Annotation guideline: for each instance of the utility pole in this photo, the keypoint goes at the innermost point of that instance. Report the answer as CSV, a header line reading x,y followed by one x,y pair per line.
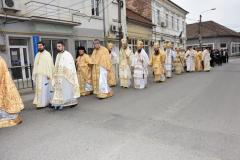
x,y
200,25
120,36
104,22
199,31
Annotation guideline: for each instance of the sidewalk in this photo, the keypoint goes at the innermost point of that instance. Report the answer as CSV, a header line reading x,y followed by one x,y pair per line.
x,y
27,94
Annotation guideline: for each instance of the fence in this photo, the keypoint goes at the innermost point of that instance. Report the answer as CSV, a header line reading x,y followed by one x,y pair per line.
x,y
22,76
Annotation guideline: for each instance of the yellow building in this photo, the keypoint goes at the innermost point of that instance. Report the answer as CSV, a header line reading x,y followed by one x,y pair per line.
x,y
139,28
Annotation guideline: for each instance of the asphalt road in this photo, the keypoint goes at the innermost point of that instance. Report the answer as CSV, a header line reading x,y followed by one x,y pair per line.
x,y
194,116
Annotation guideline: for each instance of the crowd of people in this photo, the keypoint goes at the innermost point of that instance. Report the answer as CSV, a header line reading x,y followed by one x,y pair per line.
x,y
219,57
61,84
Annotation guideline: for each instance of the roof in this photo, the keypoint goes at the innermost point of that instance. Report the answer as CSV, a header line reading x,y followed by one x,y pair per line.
x,y
138,18
178,6
209,29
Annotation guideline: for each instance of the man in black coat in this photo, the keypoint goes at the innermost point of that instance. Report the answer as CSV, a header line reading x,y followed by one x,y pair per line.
x,y
212,58
227,56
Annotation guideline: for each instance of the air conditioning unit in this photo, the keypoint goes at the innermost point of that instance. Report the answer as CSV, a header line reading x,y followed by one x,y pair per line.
x,y
163,24
13,5
114,28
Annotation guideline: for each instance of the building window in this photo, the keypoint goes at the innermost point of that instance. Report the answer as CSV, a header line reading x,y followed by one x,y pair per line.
x,y
90,47
158,17
167,20
88,44
178,24
172,22
133,45
183,26
18,42
223,45
95,7
235,48
51,46
81,43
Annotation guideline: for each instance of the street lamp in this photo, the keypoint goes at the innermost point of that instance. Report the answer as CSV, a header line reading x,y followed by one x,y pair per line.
x,y
199,26
213,9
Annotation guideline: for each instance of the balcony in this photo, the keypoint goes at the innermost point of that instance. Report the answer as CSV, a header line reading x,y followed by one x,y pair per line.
x,y
40,11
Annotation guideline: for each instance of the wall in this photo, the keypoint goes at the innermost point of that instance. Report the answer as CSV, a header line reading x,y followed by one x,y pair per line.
x,y
91,26
76,11
142,7
137,31
170,32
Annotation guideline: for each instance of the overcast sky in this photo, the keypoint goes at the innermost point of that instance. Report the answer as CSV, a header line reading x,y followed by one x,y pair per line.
x,y
227,12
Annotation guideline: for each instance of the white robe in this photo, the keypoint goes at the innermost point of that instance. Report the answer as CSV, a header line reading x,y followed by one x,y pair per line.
x,y
170,56
206,60
65,81
115,61
103,82
140,62
124,67
42,76
190,60
43,91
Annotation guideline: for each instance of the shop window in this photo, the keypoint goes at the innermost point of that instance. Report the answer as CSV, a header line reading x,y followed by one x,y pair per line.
x,y
18,42
51,46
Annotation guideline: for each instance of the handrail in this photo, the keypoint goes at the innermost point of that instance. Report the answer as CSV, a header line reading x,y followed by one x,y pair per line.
x,y
52,5
21,82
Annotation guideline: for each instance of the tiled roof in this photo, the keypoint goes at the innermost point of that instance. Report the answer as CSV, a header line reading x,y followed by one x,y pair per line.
x,y
209,29
137,18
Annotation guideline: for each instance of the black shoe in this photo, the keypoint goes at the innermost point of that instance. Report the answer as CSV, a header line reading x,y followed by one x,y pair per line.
x,y
56,107
50,106
72,106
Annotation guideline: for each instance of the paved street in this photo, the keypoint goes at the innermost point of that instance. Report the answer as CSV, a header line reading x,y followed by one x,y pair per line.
x,y
193,116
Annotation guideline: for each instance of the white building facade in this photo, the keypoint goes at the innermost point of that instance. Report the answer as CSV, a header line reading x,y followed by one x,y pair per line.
x,y
75,22
170,21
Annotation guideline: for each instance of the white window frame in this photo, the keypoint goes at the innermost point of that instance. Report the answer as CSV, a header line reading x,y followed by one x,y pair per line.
x,y
158,17
167,19
95,8
235,44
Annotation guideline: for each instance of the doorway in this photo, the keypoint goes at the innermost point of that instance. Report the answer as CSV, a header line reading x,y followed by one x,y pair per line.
x,y
19,59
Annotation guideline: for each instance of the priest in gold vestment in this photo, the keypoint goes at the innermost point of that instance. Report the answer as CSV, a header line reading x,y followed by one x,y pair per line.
x,y
156,62
100,70
112,76
179,62
198,60
42,76
83,64
125,56
10,100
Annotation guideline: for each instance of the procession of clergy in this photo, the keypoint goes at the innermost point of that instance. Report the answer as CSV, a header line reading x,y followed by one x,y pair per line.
x,y
61,85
